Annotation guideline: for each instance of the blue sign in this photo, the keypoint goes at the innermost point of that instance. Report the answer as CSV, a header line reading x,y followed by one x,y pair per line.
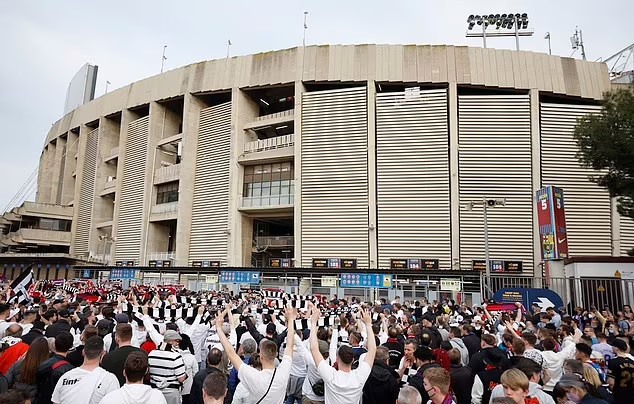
x,y
239,277
356,280
122,273
87,273
527,296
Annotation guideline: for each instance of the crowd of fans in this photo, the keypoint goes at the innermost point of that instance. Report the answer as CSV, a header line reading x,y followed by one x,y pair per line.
x,y
171,345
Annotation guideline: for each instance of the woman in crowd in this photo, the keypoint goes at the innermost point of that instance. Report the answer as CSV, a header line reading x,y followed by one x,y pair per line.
x,y
592,377
577,390
22,374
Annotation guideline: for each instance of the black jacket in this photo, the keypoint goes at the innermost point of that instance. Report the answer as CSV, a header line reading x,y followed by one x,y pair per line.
x,y
54,329
461,383
477,364
382,386
472,342
417,380
48,373
396,351
196,395
489,379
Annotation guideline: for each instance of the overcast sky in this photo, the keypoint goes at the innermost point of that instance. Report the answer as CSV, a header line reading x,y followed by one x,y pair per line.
x,y
44,43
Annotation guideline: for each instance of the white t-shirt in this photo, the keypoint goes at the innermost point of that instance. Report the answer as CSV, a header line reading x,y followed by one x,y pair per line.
x,y
257,381
344,387
134,394
80,386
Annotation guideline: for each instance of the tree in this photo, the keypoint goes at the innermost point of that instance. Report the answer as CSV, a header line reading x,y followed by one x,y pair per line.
x,y
606,144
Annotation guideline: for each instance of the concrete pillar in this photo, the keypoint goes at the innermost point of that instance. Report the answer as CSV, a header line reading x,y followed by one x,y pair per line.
x,y
300,89
79,172
536,181
191,120
57,174
372,205
454,186
616,229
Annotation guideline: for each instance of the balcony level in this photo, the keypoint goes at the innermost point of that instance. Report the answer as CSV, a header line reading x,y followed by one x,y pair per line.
x,y
268,204
277,118
167,173
274,241
112,156
164,211
109,186
45,210
36,236
269,150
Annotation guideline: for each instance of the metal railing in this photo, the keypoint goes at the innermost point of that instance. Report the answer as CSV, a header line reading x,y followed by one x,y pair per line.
x,y
167,173
269,144
164,208
271,200
288,113
275,241
161,256
110,184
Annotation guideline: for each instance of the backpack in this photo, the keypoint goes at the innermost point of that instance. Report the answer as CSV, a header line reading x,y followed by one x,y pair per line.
x,y
319,388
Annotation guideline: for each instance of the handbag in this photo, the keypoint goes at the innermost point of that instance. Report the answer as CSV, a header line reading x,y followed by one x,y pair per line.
x,y
267,390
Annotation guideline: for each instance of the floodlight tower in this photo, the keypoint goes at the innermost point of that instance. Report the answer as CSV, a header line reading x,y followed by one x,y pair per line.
x,y
505,25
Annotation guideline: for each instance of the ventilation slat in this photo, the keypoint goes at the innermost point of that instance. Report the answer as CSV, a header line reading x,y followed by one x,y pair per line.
x,y
131,201
210,206
86,195
335,176
588,210
413,177
495,162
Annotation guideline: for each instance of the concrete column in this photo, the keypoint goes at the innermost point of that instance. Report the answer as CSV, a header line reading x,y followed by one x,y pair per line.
x,y
616,229
57,174
79,173
300,89
372,207
72,145
191,120
127,116
243,110
454,185
536,179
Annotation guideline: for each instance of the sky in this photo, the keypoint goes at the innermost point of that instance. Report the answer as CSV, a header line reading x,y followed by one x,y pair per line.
x,y
44,43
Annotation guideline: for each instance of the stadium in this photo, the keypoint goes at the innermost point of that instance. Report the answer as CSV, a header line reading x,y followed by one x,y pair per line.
x,y
334,156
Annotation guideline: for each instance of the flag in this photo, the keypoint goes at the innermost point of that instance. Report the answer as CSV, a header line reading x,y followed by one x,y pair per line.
x,y
21,285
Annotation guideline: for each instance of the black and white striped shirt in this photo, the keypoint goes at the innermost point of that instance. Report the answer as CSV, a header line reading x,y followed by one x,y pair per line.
x,y
165,368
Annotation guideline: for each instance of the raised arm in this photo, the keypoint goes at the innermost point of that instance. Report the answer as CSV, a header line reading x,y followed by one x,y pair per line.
x,y
371,342
314,345
518,316
291,315
235,359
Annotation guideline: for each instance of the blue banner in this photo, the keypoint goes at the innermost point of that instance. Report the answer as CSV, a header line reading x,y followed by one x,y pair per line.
x,y
356,280
527,296
122,273
240,277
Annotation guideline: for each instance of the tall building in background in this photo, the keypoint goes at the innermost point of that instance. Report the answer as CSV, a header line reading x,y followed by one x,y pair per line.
x,y
81,88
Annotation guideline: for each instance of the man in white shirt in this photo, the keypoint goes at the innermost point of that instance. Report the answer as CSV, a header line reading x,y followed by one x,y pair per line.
x,y
134,391
89,383
266,386
343,386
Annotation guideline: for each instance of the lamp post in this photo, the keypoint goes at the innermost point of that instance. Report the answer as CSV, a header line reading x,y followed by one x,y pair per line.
x,y
305,28
163,59
548,37
105,240
486,204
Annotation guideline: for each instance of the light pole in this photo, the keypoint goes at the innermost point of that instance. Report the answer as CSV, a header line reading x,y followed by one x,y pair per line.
x,y
305,28
163,59
486,204
577,42
548,37
105,239
512,25
228,46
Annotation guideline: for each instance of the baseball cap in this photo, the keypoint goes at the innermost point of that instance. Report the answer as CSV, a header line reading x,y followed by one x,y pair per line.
x,y
620,344
64,313
171,335
323,347
122,318
103,326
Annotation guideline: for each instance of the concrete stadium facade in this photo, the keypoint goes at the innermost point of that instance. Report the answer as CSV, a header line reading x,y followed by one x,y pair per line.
x,y
357,152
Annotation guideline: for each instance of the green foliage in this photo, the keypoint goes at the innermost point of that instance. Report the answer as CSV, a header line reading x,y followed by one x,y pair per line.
x,y
606,143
